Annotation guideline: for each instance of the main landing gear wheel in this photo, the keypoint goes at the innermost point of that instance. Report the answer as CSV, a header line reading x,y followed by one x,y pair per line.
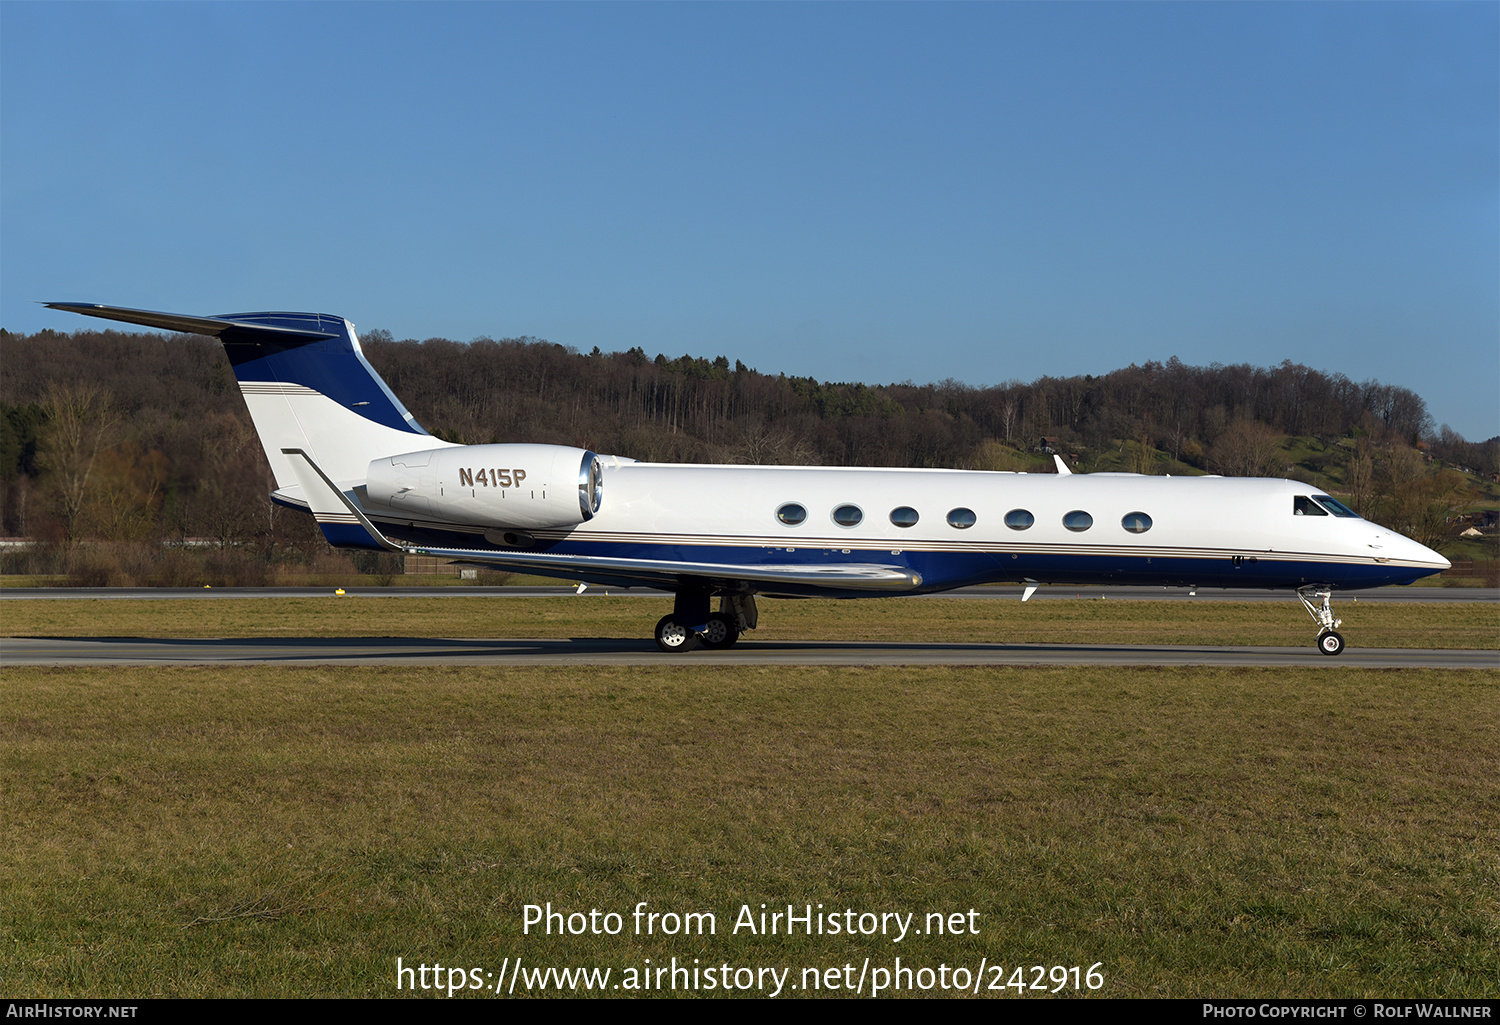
x,y
1330,643
720,632
672,637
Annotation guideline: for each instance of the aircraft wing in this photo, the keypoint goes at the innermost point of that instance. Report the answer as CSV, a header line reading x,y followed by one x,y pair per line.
x,y
329,504
669,574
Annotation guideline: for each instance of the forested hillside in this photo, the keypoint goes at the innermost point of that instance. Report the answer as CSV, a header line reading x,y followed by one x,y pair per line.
x,y
143,437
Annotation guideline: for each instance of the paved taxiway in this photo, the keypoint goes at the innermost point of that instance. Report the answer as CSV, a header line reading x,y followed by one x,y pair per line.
x,y
1011,593
115,651
409,651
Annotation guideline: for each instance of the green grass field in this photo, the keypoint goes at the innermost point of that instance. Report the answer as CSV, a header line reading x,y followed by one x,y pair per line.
x,y
293,831
1066,621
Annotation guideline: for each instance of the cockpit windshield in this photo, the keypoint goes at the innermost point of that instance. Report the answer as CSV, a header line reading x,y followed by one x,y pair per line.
x,y
1320,505
1334,506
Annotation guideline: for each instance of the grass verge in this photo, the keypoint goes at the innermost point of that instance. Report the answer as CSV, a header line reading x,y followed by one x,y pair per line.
x,y
1057,621
274,831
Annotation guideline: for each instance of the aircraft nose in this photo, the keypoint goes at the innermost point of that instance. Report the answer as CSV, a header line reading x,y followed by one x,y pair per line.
x,y
1387,544
1415,551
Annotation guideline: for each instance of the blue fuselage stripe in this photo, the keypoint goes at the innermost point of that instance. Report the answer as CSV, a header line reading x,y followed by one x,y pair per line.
x,y
944,570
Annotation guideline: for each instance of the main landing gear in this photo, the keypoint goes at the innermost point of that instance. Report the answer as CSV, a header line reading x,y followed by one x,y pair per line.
x,y
691,623
1330,642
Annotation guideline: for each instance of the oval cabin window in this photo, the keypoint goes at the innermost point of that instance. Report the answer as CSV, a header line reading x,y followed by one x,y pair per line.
x,y
961,518
848,515
791,514
1019,519
1078,520
905,516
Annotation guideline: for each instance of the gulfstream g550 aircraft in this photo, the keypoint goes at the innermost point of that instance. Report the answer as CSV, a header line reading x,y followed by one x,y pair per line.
x,y
344,448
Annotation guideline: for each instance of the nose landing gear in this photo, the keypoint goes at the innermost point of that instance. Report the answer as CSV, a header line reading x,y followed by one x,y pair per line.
x,y
1329,642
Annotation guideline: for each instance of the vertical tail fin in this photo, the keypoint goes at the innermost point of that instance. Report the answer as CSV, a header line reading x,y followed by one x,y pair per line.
x,y
307,384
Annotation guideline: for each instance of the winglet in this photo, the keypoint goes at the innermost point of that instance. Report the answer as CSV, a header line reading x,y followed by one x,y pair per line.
x,y
331,507
1062,467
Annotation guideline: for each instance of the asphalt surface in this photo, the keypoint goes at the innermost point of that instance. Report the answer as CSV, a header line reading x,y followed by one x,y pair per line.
x,y
115,651
1010,593
386,651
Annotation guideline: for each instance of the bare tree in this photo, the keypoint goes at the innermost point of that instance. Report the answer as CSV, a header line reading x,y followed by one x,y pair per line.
x,y
1247,449
79,418
1360,478
125,499
231,504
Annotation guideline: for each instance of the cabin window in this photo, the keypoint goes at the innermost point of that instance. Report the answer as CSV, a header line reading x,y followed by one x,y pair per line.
x,y
848,515
791,514
1078,520
1019,519
905,516
1334,506
961,518
1304,506
1136,522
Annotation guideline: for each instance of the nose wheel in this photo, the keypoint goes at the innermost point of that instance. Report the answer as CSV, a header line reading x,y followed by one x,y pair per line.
x,y
1318,601
1330,643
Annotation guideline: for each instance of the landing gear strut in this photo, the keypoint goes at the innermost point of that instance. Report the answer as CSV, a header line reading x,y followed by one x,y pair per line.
x,y
679,632
1330,642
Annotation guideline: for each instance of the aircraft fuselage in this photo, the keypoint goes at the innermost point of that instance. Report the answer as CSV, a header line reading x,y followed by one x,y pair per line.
x,y
950,527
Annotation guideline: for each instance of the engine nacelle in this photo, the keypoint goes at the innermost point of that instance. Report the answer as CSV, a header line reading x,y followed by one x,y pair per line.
x,y
524,486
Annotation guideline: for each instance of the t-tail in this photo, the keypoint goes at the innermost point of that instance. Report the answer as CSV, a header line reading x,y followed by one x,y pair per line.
x,y
308,386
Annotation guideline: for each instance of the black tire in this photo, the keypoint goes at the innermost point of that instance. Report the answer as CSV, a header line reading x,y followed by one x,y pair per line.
x,y
674,638
1330,643
720,632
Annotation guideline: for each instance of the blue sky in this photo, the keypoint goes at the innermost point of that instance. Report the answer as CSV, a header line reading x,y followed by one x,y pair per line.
x,y
873,192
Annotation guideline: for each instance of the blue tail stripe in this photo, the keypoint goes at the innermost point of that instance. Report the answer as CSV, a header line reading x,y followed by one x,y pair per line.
x,y
332,366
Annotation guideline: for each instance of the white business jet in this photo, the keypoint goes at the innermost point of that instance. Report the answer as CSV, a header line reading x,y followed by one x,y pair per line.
x,y
345,449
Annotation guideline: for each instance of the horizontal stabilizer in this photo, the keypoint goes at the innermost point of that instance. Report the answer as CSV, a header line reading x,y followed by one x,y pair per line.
x,y
213,327
306,383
